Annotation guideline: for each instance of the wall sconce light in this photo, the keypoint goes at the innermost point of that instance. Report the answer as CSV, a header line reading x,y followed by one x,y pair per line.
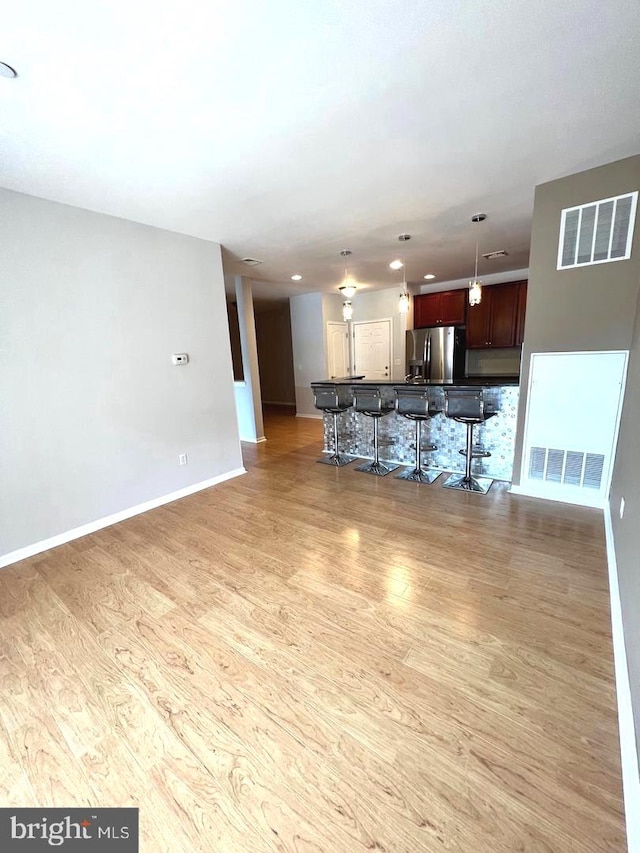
x,y
403,304
347,311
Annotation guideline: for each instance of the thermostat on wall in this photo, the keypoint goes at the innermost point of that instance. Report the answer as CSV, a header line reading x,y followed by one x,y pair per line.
x,y
180,358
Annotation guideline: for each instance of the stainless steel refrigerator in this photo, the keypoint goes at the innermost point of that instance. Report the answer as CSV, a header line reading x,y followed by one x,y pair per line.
x,y
436,354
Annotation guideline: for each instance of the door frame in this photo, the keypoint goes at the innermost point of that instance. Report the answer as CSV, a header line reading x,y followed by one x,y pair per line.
x,y
352,342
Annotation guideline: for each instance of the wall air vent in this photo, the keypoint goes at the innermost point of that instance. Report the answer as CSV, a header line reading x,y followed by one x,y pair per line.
x,y
569,467
598,232
251,262
491,256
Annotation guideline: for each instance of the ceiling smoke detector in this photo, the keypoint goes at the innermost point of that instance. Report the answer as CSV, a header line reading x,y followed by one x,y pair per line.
x,y
404,237
251,262
490,256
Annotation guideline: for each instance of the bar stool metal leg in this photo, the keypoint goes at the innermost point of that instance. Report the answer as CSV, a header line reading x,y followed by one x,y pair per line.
x,y
380,469
467,482
336,459
419,474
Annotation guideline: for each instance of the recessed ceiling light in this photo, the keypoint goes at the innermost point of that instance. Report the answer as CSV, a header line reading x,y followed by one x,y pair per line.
x,y
429,276
7,70
396,265
296,277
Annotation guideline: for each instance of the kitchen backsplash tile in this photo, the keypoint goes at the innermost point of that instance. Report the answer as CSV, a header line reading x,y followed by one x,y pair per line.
x,y
397,435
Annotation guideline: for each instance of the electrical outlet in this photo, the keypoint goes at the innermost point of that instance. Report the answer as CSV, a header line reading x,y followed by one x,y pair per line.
x,y
621,507
182,458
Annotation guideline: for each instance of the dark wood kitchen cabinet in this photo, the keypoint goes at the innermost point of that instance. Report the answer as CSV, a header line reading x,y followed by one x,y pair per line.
x,y
499,318
522,310
447,308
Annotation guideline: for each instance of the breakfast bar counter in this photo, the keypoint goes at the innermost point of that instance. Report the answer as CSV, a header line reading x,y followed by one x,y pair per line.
x,y
397,434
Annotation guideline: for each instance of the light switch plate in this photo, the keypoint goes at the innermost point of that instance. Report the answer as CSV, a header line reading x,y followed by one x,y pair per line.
x,y
180,358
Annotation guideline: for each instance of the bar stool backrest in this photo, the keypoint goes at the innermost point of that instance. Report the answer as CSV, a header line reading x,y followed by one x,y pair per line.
x,y
368,400
330,398
464,403
412,402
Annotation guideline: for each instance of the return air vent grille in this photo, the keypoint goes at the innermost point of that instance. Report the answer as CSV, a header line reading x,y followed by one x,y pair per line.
x,y
597,232
251,262
569,467
491,256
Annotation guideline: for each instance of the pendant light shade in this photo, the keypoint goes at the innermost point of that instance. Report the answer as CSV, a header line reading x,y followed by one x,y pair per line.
x,y
475,292
347,290
404,300
475,285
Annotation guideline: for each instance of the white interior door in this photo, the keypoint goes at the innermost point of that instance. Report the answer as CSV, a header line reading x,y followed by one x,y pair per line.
x,y
372,349
337,350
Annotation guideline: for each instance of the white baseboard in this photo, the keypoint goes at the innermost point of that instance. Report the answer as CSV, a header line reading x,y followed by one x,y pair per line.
x,y
628,746
314,417
588,500
108,520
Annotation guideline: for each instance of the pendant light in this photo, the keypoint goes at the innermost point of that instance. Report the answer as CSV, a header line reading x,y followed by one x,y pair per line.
x,y
400,264
347,289
403,302
475,285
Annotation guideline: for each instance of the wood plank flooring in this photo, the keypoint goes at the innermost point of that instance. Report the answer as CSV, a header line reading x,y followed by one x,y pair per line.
x,y
309,659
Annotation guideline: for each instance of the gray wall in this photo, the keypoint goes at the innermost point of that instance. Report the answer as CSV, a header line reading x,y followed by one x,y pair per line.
x,y
381,305
93,412
308,338
626,531
594,308
236,345
589,308
275,354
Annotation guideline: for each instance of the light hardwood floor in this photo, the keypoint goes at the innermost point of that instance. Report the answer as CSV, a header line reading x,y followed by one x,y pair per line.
x,y
309,659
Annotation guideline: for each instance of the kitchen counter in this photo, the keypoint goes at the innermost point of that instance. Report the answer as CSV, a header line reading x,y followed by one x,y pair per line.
x,y
469,381
397,434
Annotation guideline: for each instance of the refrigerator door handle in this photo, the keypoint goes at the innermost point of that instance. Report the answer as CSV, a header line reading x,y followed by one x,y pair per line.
x,y
427,364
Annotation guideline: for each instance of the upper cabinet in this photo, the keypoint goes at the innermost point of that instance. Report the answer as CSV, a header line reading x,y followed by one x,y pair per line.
x,y
522,310
446,308
498,321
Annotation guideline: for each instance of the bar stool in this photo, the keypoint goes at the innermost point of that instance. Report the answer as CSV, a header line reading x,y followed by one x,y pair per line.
x,y
467,406
413,404
333,399
367,399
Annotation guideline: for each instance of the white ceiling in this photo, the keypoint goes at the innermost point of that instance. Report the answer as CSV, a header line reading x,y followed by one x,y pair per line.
x,y
289,129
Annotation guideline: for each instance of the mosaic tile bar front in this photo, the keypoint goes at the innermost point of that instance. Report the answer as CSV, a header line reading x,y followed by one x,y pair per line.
x,y
397,435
